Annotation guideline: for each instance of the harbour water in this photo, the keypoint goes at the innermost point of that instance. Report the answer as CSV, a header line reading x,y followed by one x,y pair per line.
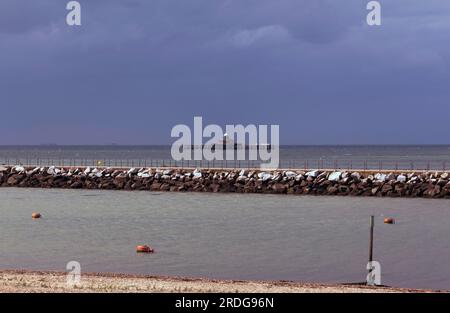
x,y
229,236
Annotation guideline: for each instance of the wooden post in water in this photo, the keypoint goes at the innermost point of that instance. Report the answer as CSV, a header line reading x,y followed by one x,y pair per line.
x,y
372,224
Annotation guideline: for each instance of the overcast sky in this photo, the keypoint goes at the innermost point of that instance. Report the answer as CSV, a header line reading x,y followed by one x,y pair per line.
x,y
135,68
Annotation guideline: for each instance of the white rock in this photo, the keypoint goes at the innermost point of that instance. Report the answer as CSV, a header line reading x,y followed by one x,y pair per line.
x,y
299,177
312,173
145,173
380,177
87,170
266,176
51,170
356,175
167,172
401,178
19,168
335,176
132,171
290,174
197,173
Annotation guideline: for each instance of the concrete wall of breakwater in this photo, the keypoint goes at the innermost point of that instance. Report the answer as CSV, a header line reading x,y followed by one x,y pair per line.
x,y
301,182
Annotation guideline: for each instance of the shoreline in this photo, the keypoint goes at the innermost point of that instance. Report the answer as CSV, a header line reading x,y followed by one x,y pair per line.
x,y
369,183
30,281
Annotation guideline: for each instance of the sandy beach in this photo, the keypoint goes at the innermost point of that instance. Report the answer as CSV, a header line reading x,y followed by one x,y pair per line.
x,y
44,282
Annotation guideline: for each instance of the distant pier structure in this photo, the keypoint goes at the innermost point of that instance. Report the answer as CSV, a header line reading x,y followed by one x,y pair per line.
x,y
229,144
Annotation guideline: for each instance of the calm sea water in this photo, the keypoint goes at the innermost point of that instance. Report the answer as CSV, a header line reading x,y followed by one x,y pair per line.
x,y
267,237
387,157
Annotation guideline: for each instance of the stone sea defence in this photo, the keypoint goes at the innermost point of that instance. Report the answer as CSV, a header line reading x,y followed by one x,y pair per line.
x,y
297,182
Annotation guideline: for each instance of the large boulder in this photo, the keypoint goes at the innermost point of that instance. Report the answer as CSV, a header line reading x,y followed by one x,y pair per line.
x,y
14,179
334,176
279,188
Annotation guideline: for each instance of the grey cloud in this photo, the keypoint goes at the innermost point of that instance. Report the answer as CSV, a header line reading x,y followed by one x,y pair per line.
x,y
135,68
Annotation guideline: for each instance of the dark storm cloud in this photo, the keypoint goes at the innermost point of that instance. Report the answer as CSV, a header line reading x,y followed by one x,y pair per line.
x,y
135,68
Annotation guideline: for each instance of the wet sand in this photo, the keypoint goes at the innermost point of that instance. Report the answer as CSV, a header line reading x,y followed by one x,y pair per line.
x,y
13,281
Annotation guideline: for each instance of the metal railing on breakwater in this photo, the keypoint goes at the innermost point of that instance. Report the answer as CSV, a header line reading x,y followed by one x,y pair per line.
x,y
382,165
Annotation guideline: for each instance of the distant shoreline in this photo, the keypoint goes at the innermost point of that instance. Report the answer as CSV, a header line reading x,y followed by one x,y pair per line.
x,y
28,281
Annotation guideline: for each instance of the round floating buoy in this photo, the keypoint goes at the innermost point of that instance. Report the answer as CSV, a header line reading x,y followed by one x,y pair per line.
x,y
36,215
144,249
389,220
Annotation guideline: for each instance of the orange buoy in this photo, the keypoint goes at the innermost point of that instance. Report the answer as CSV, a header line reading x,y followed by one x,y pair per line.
x,y
389,220
36,215
144,249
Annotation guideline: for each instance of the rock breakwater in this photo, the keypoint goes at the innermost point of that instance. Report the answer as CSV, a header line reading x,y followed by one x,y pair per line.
x,y
314,182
